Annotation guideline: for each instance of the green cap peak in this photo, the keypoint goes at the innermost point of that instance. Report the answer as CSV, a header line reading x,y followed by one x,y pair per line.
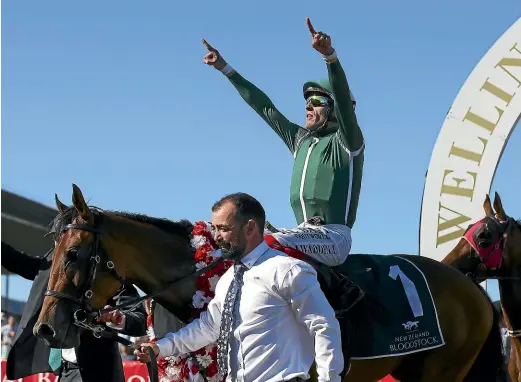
x,y
320,85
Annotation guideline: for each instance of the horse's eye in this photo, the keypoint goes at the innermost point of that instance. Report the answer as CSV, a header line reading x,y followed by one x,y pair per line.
x,y
484,235
71,256
484,238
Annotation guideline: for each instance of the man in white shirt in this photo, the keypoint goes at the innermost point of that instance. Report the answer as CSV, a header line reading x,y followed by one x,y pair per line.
x,y
269,316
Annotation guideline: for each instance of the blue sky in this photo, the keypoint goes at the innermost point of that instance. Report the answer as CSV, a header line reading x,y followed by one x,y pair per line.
x,y
114,97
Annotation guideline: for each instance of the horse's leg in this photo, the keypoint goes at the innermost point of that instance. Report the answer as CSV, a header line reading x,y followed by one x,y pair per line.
x,y
465,316
514,363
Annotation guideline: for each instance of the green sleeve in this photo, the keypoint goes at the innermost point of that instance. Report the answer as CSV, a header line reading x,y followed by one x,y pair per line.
x,y
260,102
349,132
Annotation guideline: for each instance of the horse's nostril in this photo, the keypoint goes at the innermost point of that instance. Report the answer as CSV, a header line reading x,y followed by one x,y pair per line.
x,y
46,332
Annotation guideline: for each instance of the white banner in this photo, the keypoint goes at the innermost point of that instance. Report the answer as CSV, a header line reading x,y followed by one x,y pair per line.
x,y
469,146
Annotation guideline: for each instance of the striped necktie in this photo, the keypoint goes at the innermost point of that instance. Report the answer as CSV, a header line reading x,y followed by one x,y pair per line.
x,y
227,318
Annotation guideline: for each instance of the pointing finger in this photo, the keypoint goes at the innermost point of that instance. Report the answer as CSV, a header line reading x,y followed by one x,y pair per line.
x,y
207,46
310,26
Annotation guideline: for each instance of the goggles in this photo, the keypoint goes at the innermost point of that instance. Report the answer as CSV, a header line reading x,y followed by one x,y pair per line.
x,y
318,100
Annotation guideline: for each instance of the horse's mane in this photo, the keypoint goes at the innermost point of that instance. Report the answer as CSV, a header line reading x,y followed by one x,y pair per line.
x,y
180,228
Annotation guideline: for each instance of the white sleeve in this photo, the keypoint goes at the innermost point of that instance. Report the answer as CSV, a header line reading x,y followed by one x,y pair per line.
x,y
301,288
197,334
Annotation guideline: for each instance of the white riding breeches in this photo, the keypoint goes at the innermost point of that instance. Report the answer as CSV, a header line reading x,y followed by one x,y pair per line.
x,y
330,244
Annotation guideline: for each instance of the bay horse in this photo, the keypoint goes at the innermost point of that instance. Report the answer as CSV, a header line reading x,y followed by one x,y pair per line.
x,y
101,249
491,248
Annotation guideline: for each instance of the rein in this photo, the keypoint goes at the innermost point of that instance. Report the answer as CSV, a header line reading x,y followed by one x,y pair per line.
x,y
514,333
99,256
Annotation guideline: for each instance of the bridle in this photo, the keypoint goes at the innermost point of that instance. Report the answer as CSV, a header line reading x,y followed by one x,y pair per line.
x,y
491,257
98,258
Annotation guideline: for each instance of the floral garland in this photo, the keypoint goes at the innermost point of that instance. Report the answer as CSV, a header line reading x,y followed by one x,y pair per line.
x,y
201,364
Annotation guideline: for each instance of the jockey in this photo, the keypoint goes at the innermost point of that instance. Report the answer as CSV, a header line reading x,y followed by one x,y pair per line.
x,y
328,152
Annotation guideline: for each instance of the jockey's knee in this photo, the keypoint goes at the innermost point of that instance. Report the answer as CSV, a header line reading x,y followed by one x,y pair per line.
x,y
335,260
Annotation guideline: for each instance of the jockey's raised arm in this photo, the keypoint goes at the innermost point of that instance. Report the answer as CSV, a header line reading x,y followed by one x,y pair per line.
x,y
348,130
260,102
256,98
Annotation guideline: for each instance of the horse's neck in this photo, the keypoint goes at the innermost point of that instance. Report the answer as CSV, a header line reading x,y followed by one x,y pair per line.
x,y
152,259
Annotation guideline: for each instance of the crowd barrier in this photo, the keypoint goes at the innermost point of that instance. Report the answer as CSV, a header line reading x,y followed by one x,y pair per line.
x,y
134,372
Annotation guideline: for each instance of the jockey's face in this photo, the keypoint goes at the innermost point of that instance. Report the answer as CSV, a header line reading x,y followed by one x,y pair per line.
x,y
315,112
229,232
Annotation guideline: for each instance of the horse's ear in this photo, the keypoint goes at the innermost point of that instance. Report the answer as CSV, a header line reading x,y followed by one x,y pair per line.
x,y
59,205
79,202
487,206
498,206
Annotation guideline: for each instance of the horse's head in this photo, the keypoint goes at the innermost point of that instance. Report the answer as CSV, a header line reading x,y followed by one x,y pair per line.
x,y
82,278
97,252
492,244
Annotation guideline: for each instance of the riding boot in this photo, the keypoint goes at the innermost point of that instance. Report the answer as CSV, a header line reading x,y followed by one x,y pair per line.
x,y
346,348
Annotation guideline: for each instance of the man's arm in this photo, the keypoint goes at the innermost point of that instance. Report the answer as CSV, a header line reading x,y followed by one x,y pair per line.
x,y
20,263
264,107
349,131
301,289
198,333
195,335
256,98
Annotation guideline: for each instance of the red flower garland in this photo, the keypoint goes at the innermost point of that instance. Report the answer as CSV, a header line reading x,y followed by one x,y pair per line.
x,y
191,367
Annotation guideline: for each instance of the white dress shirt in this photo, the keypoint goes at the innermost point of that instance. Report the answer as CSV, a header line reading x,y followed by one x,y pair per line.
x,y
282,322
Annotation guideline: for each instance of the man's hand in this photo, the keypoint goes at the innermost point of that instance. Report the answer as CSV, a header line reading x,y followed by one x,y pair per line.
x,y
114,316
320,41
213,57
142,353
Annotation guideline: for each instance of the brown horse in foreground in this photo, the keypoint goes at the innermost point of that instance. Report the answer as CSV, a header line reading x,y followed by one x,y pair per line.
x,y
491,248
102,248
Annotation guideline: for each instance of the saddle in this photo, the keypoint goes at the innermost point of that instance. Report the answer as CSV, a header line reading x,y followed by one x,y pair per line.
x,y
383,303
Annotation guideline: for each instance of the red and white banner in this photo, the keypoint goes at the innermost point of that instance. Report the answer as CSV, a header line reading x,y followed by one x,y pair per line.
x,y
134,372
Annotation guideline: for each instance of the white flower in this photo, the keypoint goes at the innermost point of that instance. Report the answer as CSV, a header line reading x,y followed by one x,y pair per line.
x,y
213,282
197,241
173,359
200,265
204,360
216,378
199,299
209,227
174,372
150,333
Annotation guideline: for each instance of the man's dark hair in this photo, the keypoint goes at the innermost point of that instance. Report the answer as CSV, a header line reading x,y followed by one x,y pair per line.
x,y
247,208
